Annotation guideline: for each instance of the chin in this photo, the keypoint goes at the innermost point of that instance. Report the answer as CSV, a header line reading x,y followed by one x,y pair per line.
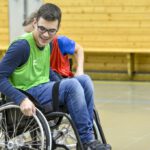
x,y
43,44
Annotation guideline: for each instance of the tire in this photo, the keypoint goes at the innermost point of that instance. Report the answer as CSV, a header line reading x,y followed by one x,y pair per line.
x,y
47,131
18,131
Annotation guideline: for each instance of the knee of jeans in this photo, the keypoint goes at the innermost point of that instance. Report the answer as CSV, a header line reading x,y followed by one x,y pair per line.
x,y
87,81
86,77
70,84
74,84
75,89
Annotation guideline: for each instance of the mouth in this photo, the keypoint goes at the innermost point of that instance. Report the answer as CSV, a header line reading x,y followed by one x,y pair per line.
x,y
44,40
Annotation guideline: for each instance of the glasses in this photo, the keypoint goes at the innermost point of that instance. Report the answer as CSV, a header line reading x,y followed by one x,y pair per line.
x,y
43,30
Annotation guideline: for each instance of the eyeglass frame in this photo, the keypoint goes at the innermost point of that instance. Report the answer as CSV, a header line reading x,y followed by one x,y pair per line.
x,y
49,31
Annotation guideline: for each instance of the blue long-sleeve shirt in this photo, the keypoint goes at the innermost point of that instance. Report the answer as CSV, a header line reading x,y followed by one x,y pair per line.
x,y
17,55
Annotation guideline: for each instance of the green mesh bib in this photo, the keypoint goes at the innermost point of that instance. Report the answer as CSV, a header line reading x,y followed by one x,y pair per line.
x,y
36,70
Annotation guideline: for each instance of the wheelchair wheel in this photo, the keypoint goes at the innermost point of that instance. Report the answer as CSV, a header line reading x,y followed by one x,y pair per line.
x,y
96,131
18,131
64,135
47,132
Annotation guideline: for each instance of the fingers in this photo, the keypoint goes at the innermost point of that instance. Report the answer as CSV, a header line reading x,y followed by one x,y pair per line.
x,y
28,111
34,110
27,107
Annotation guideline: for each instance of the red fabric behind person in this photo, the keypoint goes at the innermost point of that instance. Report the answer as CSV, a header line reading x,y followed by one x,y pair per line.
x,y
58,61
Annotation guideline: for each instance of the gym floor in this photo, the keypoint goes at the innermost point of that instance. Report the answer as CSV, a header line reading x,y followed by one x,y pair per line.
x,y
124,110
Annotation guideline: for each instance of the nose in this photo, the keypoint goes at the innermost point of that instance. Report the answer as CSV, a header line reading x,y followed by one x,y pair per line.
x,y
46,34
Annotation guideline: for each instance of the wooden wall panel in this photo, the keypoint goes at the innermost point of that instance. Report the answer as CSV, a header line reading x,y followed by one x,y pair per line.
x,y
109,24
127,22
142,63
105,62
4,31
101,24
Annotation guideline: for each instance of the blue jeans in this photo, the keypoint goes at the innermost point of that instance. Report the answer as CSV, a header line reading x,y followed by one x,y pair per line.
x,y
54,76
77,94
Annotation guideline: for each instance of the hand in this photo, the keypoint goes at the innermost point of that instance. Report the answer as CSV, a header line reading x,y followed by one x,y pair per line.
x,y
27,107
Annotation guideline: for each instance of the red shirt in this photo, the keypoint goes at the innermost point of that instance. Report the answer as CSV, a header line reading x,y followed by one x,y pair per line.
x,y
59,62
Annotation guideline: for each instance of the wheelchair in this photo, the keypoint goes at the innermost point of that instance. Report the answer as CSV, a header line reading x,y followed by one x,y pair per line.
x,y
43,131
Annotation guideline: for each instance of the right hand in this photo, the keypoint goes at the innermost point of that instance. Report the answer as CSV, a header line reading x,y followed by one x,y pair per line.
x,y
27,107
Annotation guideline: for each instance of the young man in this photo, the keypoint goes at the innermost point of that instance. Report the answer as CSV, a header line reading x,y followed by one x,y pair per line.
x,y
26,66
61,47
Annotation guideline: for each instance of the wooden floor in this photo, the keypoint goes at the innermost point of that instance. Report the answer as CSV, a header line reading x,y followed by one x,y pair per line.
x,y
124,109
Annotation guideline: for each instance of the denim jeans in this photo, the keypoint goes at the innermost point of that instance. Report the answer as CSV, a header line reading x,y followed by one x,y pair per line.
x,y
77,94
54,76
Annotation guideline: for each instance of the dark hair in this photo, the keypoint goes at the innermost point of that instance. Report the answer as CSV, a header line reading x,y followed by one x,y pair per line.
x,y
29,19
49,12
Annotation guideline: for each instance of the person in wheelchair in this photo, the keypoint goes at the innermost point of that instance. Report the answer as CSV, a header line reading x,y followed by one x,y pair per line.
x,y
61,48
26,67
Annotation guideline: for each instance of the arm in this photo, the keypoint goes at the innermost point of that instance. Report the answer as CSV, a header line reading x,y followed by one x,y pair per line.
x,y
16,55
79,57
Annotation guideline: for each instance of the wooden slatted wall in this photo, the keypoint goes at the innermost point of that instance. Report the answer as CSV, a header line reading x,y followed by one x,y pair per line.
x,y
106,23
4,34
4,29
100,24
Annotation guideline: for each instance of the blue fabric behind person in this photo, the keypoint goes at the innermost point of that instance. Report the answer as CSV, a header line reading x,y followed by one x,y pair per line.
x,y
66,45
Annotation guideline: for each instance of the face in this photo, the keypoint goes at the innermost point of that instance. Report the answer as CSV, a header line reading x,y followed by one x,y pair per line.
x,y
44,31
